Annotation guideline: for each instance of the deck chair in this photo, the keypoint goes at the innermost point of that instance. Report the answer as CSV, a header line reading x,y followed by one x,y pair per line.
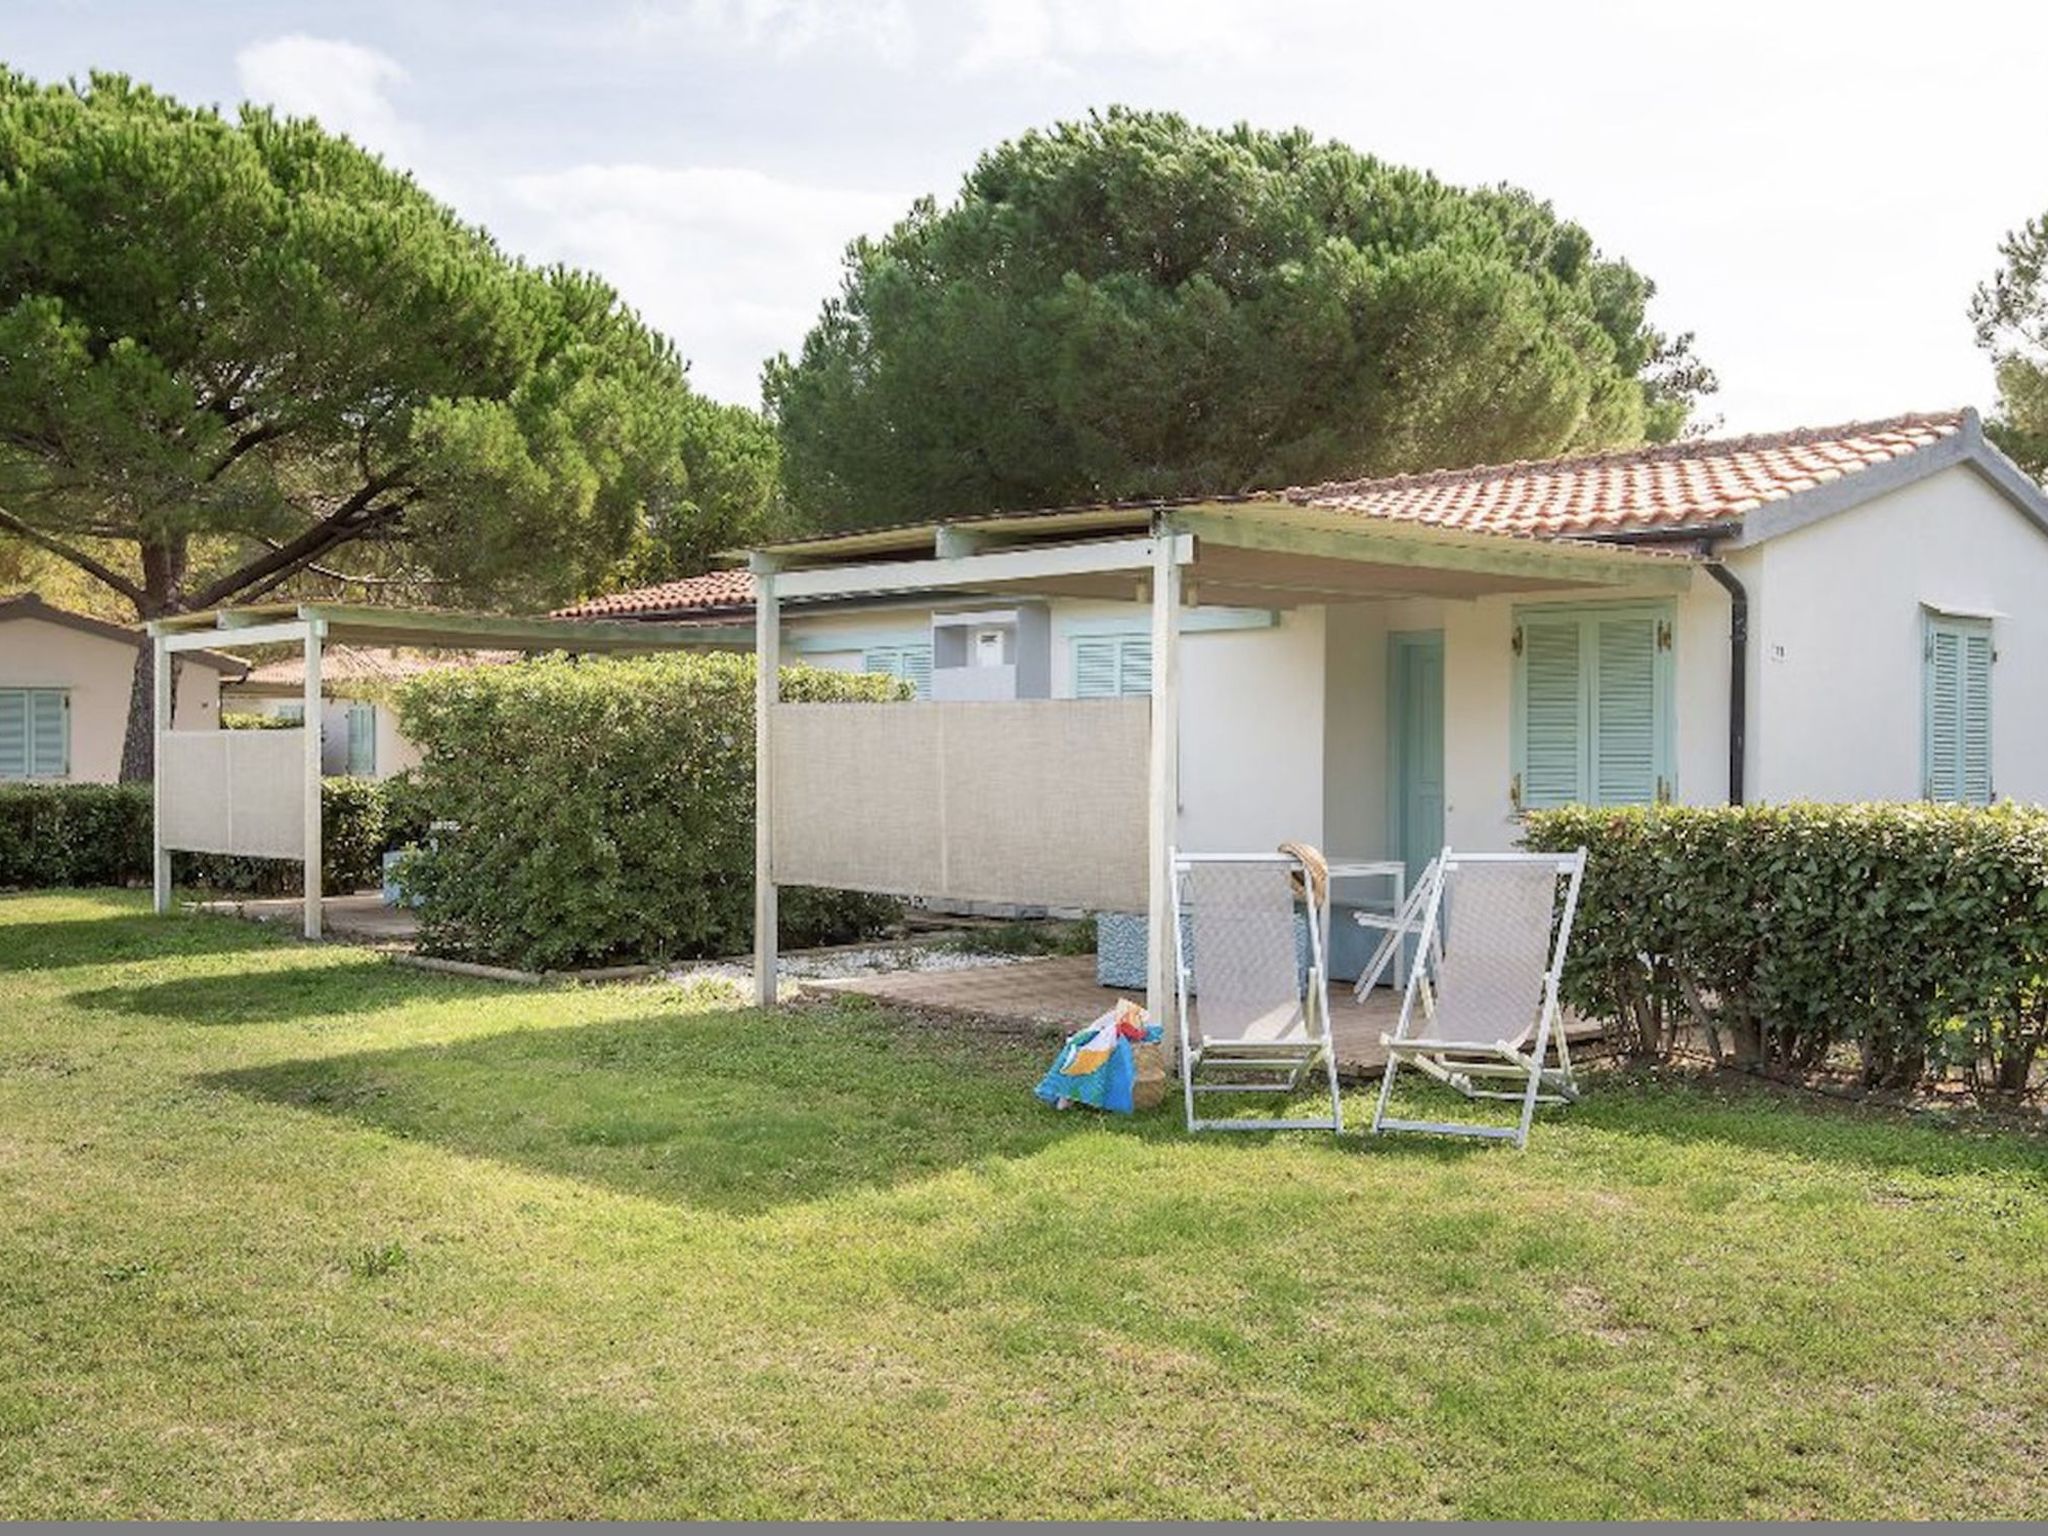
x,y
1486,976
1249,1021
1396,928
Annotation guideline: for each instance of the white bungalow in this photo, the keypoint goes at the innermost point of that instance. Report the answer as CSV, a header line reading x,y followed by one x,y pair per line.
x,y
1380,667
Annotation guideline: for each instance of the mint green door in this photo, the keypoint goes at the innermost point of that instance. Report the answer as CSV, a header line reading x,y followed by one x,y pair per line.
x,y
1415,746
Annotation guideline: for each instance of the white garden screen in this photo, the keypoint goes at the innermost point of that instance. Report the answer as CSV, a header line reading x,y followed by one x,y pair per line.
x,y
1037,801
234,792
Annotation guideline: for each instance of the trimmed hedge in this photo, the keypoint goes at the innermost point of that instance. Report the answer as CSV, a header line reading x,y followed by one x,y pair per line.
x,y
1916,933
73,834
99,834
603,811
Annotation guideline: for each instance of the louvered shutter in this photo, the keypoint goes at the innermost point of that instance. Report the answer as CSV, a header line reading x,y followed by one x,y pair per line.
x,y
916,669
1623,754
13,733
1553,744
362,739
1976,717
1095,667
1134,664
1957,693
49,734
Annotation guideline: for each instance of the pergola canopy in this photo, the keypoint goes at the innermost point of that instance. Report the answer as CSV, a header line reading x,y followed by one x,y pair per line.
x,y
430,629
1240,554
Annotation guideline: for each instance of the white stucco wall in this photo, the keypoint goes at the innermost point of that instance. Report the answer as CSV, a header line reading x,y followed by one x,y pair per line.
x,y
99,672
1837,621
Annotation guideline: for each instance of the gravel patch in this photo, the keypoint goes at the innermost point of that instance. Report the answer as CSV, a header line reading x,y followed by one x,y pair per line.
x,y
836,964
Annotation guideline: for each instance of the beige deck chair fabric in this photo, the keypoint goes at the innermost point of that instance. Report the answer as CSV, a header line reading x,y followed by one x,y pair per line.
x,y
1245,982
1489,989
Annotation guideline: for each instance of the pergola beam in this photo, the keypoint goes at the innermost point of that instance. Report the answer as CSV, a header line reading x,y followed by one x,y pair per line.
x,y
946,573
1333,537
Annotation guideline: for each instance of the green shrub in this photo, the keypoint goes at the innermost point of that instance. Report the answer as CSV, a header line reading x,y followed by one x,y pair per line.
x,y
242,720
73,834
1917,933
99,834
600,812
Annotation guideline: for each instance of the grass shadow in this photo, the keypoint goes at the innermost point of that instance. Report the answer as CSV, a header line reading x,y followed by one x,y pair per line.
x,y
723,1111
280,994
123,936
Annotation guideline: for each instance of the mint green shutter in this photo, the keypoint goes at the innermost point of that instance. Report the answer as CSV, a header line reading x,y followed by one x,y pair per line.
x,y
910,664
35,733
1553,755
49,733
1956,693
1134,664
1095,667
917,669
362,739
1112,666
1592,707
1624,711
13,733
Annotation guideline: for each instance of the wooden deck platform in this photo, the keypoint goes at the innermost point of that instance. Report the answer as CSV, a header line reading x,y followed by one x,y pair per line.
x,y
1059,992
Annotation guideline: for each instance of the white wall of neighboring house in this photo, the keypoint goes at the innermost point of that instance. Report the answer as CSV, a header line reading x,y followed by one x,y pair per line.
x,y
395,752
1838,636
98,672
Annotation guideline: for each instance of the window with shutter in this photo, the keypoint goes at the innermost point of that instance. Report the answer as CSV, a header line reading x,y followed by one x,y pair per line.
x,y
1112,666
910,664
1592,706
1956,710
35,733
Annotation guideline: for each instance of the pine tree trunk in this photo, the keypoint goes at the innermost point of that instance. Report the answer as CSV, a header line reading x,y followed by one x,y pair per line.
x,y
138,747
163,582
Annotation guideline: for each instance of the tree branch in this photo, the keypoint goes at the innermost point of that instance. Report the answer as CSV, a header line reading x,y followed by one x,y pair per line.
x,y
77,557
353,519
350,520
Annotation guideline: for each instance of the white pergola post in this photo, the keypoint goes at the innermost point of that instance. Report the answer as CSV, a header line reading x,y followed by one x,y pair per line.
x,y
767,693
316,631
1163,791
160,725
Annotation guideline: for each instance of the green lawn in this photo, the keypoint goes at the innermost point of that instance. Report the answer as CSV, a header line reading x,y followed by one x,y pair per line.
x,y
288,1231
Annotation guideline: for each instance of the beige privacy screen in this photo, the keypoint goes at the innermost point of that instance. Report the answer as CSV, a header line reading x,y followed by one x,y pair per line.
x,y
1038,801
235,792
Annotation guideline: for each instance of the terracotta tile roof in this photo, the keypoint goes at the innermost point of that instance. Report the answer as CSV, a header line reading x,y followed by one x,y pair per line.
x,y
1678,485
1696,484
342,665
713,590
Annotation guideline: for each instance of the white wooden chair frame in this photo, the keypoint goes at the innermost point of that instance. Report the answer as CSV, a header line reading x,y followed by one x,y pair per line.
x,y
1465,1064
1279,1066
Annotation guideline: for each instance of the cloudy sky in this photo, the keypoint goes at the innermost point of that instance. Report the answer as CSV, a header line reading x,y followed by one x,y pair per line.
x,y
1815,187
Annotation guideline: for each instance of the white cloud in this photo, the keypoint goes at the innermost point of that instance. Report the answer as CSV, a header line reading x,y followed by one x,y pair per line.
x,y
345,85
1057,36
784,29
732,263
